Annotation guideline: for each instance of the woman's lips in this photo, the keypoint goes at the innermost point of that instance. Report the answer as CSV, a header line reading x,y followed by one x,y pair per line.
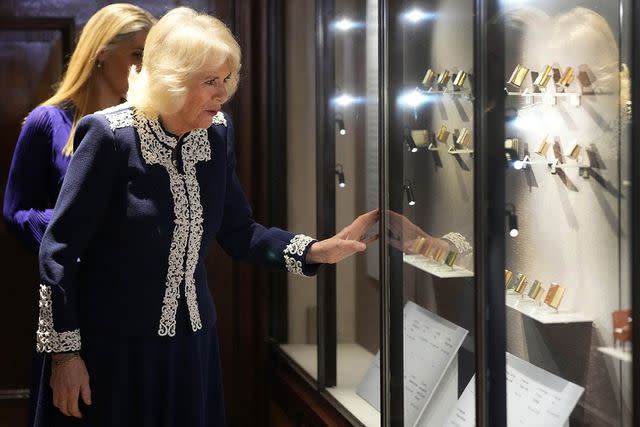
x,y
212,112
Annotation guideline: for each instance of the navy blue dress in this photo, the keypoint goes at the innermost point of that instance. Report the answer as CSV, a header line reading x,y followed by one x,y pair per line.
x,y
123,277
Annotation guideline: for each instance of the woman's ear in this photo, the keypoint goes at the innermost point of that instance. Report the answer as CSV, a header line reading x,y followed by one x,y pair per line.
x,y
102,55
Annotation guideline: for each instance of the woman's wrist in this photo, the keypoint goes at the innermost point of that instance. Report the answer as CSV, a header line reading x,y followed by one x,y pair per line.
x,y
60,359
313,256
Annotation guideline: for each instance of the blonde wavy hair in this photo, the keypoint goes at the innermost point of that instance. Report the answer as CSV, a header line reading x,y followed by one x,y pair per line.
x,y
107,28
180,45
577,27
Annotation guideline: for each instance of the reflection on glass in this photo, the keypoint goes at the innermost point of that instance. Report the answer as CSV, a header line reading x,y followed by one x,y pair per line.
x,y
431,241
566,222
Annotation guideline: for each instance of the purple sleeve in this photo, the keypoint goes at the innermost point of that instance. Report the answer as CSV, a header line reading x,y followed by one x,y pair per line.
x,y
27,208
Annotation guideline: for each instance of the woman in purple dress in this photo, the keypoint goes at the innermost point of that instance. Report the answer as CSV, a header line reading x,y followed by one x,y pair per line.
x,y
96,78
111,42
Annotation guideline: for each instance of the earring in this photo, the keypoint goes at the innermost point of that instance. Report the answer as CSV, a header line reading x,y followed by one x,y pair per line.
x,y
99,64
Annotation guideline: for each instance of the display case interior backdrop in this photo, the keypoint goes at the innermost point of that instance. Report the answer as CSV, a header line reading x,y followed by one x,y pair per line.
x,y
573,230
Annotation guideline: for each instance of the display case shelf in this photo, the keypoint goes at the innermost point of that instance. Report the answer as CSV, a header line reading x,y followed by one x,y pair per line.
x,y
460,94
550,94
435,269
353,362
550,163
455,151
616,353
543,313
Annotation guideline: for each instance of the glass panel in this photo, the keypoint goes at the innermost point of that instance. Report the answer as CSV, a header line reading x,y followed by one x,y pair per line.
x,y
567,202
354,101
301,302
431,203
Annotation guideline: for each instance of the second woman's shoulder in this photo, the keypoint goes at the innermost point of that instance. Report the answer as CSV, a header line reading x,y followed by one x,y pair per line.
x,y
49,115
39,118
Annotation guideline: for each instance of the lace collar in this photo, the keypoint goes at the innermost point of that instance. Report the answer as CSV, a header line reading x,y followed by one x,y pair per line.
x,y
157,144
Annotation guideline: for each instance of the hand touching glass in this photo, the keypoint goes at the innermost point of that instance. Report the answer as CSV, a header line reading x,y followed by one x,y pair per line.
x,y
350,240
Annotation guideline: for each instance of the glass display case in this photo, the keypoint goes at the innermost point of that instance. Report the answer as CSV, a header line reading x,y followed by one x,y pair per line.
x,y
567,132
496,138
334,339
429,167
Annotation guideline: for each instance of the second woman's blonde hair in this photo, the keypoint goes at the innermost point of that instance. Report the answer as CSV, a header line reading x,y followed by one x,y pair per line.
x,y
180,45
107,28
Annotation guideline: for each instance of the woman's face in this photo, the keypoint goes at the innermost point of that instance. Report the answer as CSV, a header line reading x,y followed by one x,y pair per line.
x,y
116,62
205,95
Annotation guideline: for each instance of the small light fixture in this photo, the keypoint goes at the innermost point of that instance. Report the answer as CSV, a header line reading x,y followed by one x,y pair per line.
x,y
345,100
340,174
408,189
512,220
345,24
416,15
342,130
510,114
412,98
511,149
408,139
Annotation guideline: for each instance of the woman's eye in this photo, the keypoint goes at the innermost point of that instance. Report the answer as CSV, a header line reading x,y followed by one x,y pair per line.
x,y
210,82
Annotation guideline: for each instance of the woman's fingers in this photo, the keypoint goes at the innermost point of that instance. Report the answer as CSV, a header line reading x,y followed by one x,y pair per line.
x,y
370,239
344,249
56,399
72,403
62,406
350,240
85,392
349,247
359,226
368,219
69,382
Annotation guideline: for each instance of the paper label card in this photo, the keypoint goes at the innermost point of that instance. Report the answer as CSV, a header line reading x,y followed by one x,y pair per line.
x,y
430,344
535,398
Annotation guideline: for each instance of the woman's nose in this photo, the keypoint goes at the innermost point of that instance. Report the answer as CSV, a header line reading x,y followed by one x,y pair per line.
x,y
220,95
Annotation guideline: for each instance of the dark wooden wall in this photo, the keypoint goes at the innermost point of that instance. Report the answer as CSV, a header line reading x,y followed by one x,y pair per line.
x,y
31,60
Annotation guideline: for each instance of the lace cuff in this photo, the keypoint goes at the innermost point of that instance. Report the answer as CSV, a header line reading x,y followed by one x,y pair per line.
x,y
47,339
463,247
295,254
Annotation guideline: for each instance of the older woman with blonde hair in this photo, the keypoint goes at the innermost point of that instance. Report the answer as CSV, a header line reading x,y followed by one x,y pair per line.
x,y
151,184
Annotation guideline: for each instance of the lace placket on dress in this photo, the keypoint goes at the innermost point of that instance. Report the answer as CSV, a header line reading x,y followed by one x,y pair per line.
x,y
179,157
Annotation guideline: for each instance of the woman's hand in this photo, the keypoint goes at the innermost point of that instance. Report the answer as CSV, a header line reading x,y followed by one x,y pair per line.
x,y
69,381
350,240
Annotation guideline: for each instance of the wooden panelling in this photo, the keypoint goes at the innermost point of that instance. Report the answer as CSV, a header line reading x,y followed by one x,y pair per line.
x,y
32,54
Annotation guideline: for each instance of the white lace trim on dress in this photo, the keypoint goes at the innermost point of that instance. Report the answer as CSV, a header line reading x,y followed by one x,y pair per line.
x,y
187,233
48,340
294,251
